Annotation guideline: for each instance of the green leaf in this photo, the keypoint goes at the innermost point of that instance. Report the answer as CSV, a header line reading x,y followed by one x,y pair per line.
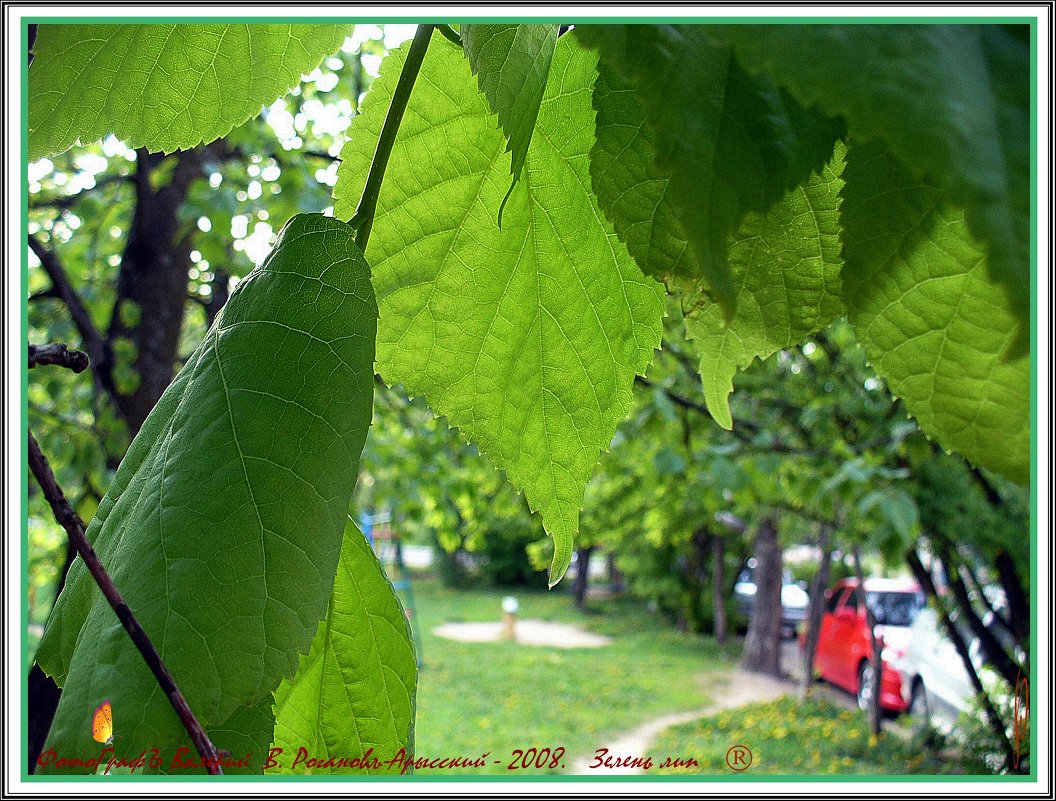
x,y
786,273
527,338
936,327
730,143
512,63
631,189
951,101
162,87
223,537
354,691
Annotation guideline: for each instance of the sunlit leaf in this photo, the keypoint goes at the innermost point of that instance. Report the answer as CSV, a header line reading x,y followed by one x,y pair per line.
x,y
354,691
786,272
526,338
164,87
951,101
729,142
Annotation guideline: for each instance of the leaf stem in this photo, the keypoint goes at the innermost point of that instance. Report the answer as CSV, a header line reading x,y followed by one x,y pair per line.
x,y
363,219
70,521
449,33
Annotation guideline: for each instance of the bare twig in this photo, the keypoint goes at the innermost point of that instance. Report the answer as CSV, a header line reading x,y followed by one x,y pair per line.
x,y
60,355
70,521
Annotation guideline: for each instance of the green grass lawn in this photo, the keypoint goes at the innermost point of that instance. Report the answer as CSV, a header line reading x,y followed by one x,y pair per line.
x,y
497,697
790,738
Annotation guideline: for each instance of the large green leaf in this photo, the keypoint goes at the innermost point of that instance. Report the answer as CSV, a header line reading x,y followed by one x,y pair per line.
x,y
354,691
163,87
631,189
730,142
223,525
936,327
527,338
951,101
512,63
786,271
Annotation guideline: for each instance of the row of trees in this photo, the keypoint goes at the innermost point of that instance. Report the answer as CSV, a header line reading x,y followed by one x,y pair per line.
x,y
821,455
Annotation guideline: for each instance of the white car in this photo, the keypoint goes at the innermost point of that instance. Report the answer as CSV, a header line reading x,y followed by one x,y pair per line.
x,y
935,684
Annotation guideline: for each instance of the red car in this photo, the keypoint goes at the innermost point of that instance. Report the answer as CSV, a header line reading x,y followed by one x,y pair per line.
x,y
845,648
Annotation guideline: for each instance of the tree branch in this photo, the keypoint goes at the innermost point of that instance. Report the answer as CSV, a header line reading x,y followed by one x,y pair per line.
x,y
996,655
738,430
996,724
92,340
68,201
58,354
363,219
69,520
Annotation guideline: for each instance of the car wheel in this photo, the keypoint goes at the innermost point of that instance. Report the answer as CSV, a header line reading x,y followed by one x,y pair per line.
x,y
865,686
918,703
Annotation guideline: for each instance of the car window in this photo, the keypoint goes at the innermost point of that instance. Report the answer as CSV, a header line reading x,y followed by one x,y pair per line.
x,y
895,608
852,598
834,599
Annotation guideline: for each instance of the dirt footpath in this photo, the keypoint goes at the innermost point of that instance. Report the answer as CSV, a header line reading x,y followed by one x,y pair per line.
x,y
732,690
735,689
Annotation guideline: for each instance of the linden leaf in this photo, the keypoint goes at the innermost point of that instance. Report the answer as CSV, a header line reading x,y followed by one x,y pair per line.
x,y
526,338
164,87
223,525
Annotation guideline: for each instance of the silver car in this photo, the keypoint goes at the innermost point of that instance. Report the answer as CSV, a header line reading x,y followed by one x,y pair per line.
x,y
794,599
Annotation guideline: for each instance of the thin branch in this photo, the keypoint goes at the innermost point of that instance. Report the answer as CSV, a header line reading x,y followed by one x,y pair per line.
x,y
996,655
674,397
44,294
363,219
59,354
317,154
68,201
70,521
93,341
742,430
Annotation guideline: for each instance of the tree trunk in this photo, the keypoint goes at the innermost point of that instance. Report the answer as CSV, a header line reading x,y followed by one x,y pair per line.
x,y
875,718
579,586
817,607
762,645
718,587
152,285
616,578
695,573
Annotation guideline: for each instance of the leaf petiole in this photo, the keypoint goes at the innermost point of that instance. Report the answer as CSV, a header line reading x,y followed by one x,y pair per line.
x,y
363,218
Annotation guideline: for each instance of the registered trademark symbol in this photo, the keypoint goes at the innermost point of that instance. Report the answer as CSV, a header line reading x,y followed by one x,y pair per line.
x,y
739,757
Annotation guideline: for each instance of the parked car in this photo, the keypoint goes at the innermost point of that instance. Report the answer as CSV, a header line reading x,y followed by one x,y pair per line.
x,y
935,684
934,681
794,599
844,651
